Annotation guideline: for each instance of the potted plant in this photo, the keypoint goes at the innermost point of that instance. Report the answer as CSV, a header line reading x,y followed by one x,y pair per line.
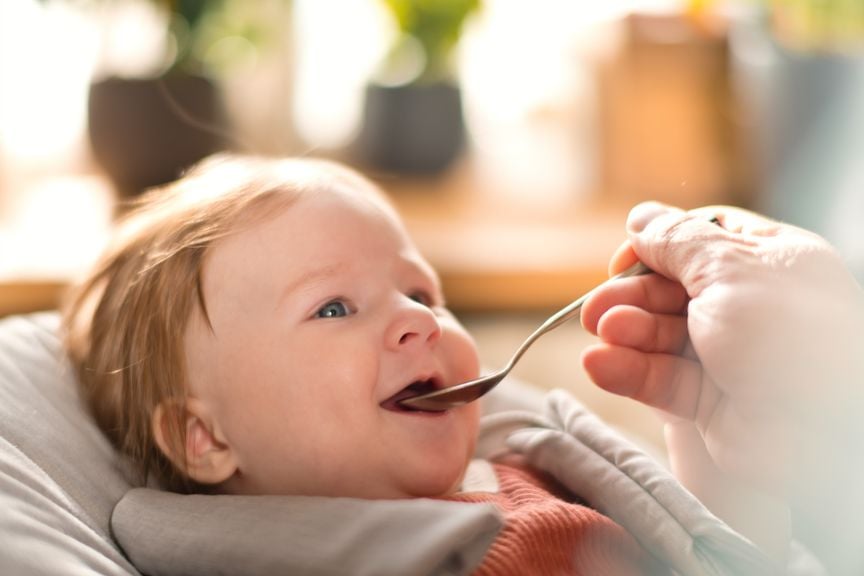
x,y
412,116
144,129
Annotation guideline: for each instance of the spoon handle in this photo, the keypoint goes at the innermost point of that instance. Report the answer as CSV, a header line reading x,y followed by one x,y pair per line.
x,y
574,307
570,311
459,394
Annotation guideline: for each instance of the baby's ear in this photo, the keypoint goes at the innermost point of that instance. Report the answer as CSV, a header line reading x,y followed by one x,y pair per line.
x,y
205,457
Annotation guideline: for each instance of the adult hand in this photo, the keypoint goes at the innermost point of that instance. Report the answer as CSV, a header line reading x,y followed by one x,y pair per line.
x,y
753,331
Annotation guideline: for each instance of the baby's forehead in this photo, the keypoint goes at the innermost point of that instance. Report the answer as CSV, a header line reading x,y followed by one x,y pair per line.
x,y
339,227
363,199
337,212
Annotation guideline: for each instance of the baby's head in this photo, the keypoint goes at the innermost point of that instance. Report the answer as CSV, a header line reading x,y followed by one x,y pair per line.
x,y
250,326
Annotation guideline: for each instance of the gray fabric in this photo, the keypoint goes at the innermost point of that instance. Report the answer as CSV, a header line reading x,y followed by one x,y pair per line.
x,y
621,481
513,394
60,481
168,534
59,477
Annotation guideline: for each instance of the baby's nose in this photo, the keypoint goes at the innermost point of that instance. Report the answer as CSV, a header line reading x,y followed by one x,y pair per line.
x,y
413,324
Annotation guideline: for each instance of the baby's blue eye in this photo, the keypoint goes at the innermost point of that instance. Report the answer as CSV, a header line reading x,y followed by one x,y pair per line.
x,y
421,298
334,309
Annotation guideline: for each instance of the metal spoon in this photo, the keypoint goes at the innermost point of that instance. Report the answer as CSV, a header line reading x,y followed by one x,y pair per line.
x,y
453,396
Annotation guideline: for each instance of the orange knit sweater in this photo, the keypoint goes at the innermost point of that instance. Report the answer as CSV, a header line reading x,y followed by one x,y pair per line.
x,y
546,535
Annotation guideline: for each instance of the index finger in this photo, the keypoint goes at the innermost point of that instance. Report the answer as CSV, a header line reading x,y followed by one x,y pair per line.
x,y
623,258
649,292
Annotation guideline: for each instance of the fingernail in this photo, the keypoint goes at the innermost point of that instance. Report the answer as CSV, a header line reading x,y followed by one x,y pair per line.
x,y
644,213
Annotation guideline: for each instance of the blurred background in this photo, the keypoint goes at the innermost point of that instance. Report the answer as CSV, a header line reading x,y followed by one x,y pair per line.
x,y
513,136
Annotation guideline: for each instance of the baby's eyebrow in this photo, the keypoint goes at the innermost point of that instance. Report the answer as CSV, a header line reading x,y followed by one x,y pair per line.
x,y
314,276
423,267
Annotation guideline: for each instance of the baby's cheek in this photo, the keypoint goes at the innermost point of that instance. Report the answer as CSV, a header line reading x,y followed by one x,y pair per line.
x,y
461,350
472,426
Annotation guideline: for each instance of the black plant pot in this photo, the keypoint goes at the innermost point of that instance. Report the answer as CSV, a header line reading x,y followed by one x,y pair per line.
x,y
144,132
413,129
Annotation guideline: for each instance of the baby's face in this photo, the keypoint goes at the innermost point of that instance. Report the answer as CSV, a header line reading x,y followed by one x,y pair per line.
x,y
320,314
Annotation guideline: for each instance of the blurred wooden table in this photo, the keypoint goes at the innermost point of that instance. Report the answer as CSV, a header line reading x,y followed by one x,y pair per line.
x,y
52,226
22,296
495,253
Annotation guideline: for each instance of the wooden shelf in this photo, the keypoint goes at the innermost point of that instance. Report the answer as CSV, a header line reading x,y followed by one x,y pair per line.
x,y
494,252
20,297
499,254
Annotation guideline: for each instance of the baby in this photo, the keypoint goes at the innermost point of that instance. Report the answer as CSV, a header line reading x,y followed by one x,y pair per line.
x,y
249,332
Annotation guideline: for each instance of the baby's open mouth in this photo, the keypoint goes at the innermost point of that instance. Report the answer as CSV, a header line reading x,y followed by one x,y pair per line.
x,y
413,389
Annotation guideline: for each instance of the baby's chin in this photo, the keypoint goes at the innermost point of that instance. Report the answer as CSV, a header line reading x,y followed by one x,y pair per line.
x,y
439,485
443,491
436,482
442,485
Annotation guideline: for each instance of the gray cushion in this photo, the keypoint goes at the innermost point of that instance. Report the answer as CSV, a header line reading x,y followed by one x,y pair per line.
x,y
171,534
59,477
63,489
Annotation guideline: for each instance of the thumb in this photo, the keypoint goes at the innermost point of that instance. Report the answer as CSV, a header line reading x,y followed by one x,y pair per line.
x,y
644,213
676,244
